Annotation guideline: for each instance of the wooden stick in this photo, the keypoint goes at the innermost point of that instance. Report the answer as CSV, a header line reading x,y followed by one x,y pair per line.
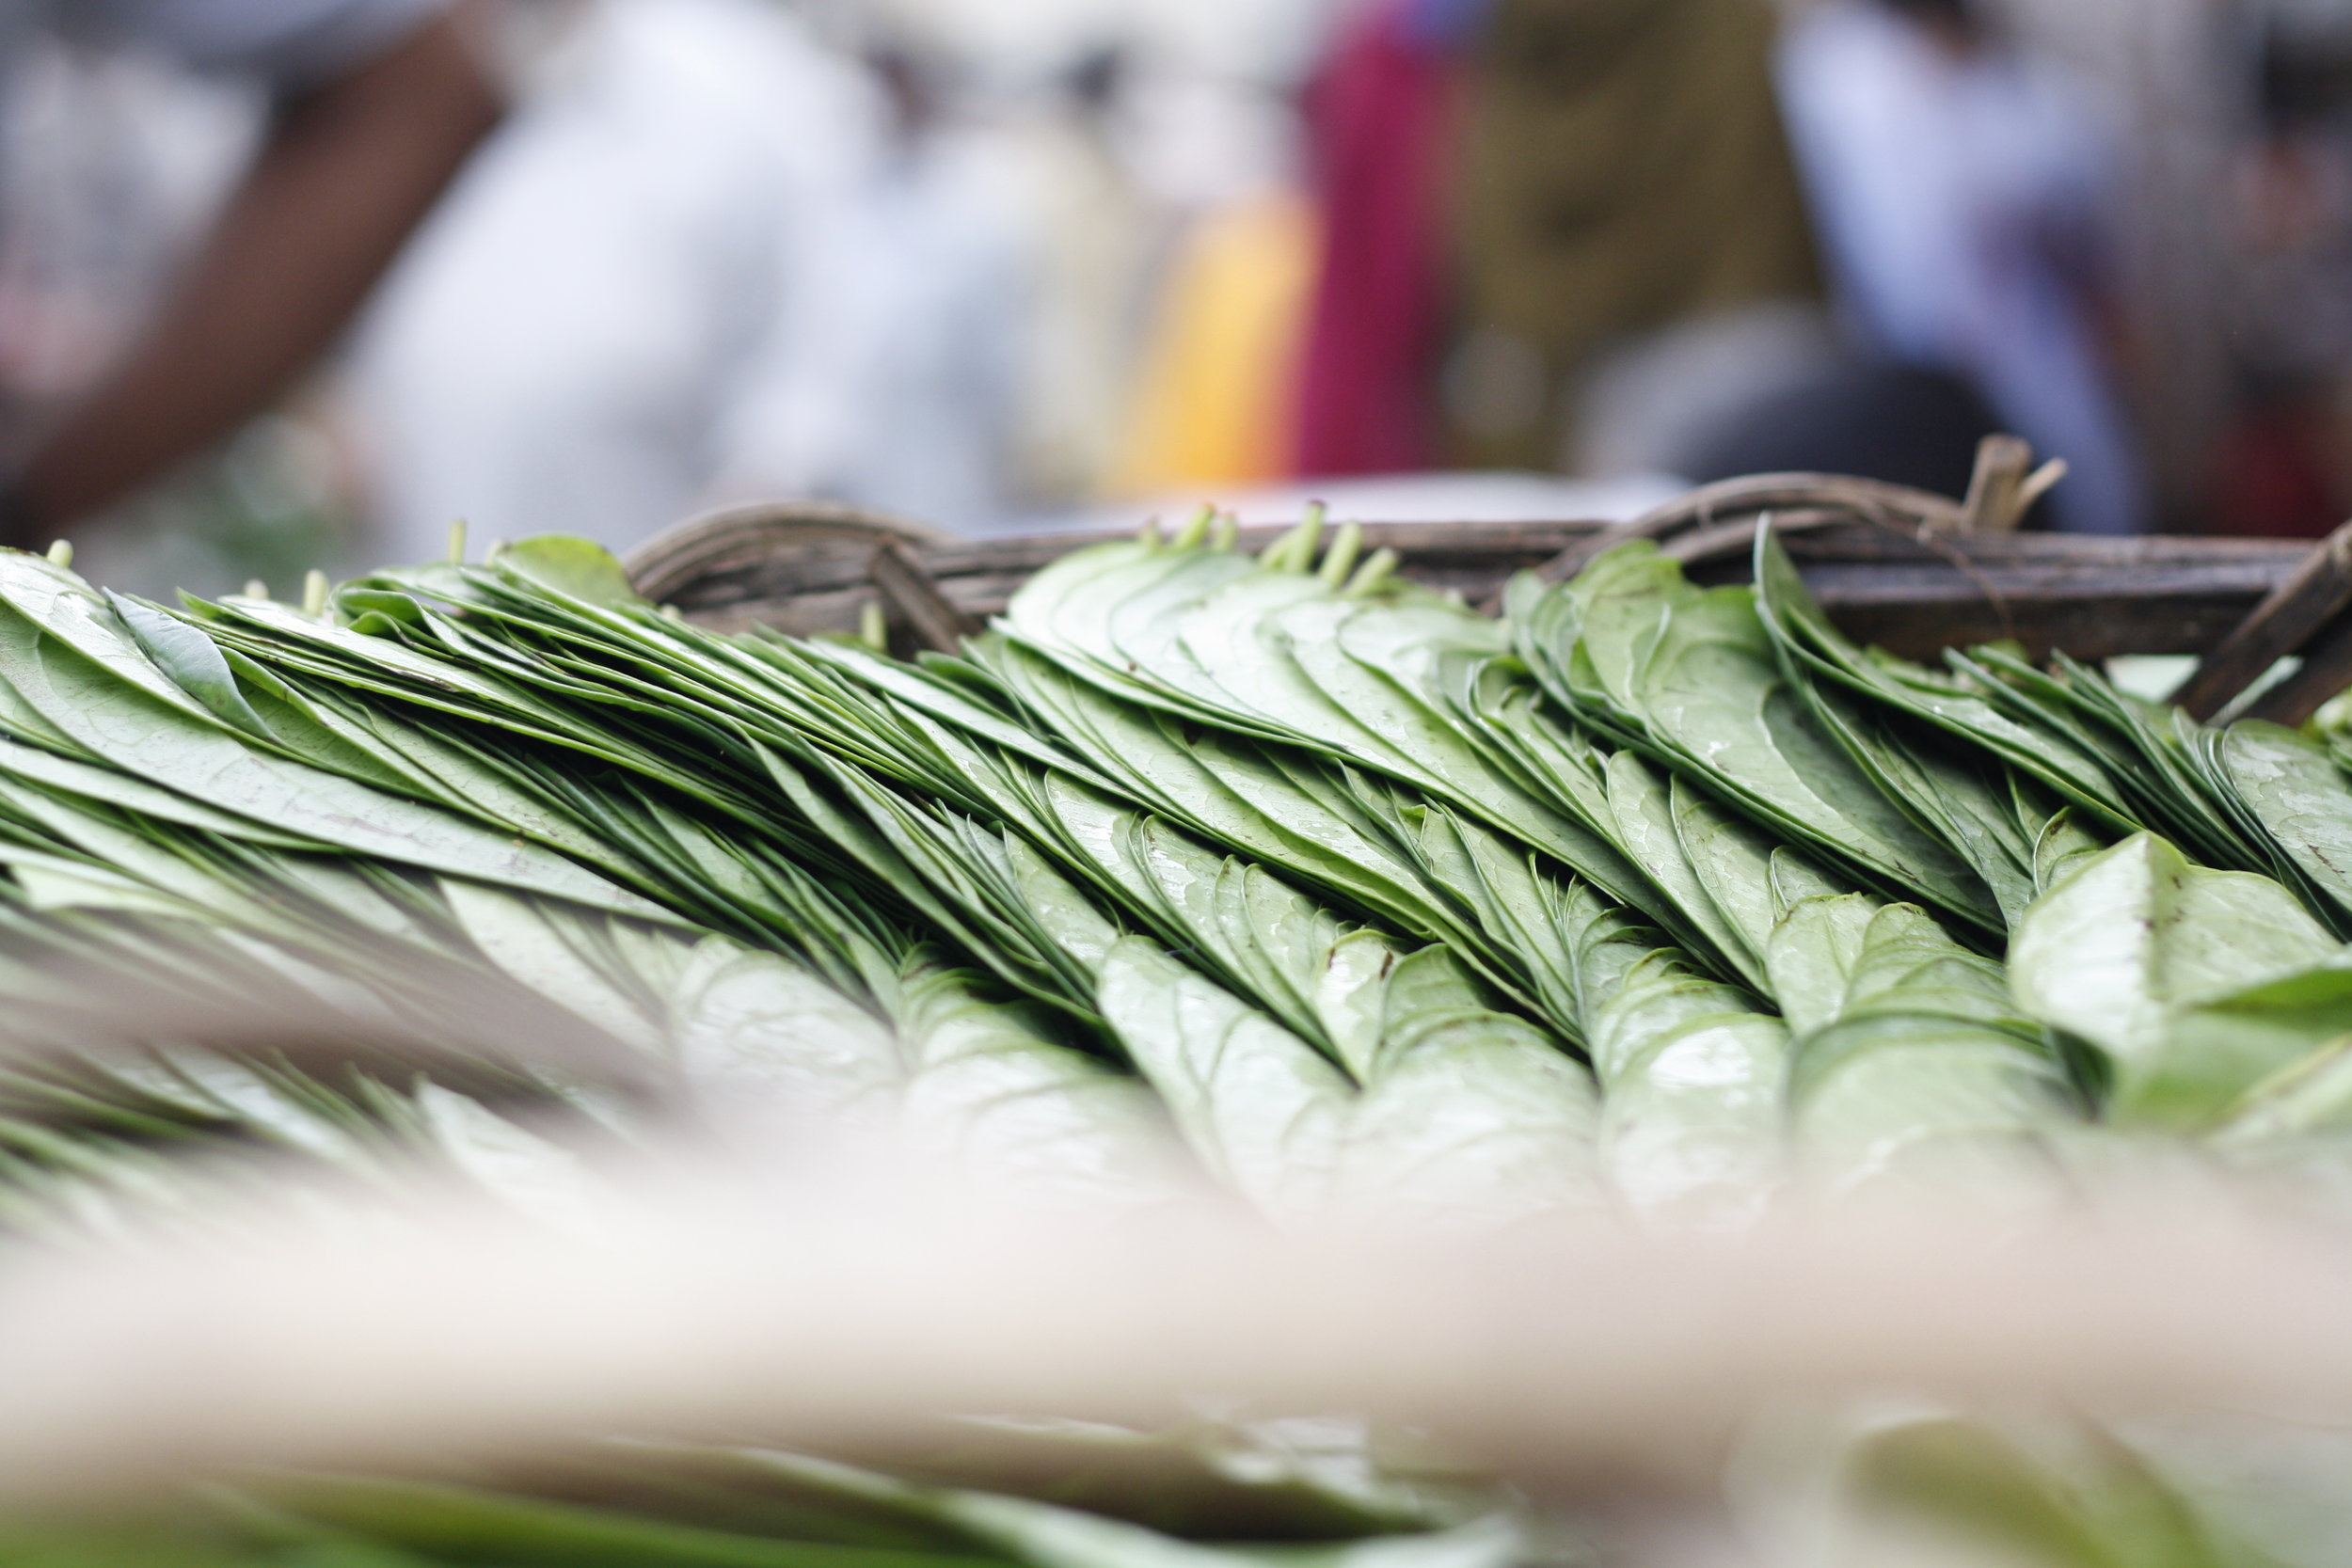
x,y
2039,483
1995,490
2299,606
909,590
1734,498
1863,498
1718,540
2327,670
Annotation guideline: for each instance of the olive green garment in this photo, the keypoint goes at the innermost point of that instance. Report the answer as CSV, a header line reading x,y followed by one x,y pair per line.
x,y
1621,168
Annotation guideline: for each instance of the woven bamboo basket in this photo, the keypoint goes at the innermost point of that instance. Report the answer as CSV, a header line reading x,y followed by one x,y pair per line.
x,y
1903,569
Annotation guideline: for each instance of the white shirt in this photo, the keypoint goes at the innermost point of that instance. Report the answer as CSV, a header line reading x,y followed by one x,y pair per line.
x,y
562,347
894,383
1948,192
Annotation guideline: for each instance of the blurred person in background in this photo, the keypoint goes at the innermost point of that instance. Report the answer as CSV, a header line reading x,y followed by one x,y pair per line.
x,y
1091,228
374,106
2284,460
1195,256
1620,183
893,374
1966,203
601,320
1557,234
1211,403
1379,119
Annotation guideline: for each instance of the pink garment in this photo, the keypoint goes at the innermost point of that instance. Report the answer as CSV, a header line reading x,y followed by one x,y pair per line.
x,y
1377,118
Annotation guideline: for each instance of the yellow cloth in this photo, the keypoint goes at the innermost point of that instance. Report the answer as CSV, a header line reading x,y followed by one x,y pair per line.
x,y
1213,398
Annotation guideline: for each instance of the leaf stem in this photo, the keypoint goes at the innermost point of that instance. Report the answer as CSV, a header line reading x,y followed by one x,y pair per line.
x,y
1377,569
1339,559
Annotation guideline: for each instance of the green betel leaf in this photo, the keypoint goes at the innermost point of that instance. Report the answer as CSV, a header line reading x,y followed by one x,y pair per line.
x,y
929,1059
1713,690
545,947
577,567
2263,1033
1468,1114
48,883
1814,951
2302,802
1691,1074
934,689
1286,810
1263,1109
1235,636
2134,949
2306,1100
1300,818
2062,846
1804,634
1066,608
187,655
1693,1081
1465,1113
123,723
68,611
1964,802
1063,912
1145,628
1513,909
1291,661
324,738
1733,862
1907,963
1918,1098
445,1524
2047,1493
1617,609
1351,999
1911,1063
1640,803
92,781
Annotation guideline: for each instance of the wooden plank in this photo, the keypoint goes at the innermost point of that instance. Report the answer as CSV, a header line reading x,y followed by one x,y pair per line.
x,y
828,565
2090,629
1854,542
2094,597
1917,621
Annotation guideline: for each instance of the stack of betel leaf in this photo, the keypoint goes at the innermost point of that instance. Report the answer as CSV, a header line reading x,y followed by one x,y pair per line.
x,y
1278,872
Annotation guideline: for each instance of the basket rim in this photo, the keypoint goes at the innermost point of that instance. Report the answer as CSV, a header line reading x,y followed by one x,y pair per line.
x,y
736,535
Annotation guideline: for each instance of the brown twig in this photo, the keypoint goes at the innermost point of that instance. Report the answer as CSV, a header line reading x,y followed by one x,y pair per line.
x,y
2319,591
910,591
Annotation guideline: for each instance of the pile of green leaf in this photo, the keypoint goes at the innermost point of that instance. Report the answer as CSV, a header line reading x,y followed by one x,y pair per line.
x,y
1276,872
